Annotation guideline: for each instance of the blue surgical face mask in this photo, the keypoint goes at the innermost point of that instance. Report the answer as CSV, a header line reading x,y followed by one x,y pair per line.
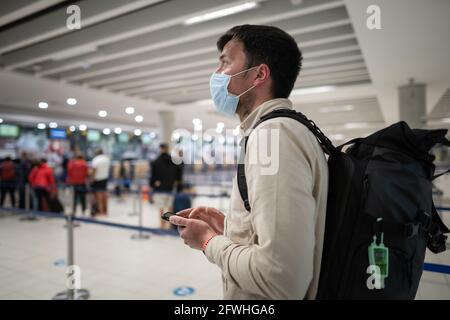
x,y
225,102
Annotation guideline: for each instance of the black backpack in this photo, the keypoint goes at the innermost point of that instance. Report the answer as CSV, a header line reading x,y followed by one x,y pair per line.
x,y
380,189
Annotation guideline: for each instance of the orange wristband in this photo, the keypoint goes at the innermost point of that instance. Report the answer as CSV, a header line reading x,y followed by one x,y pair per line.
x,y
205,244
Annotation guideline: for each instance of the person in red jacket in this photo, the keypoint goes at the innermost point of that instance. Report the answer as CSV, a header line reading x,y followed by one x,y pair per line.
x,y
77,175
43,183
7,181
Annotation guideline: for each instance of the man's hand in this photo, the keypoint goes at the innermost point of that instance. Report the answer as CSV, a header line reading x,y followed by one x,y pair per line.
x,y
194,232
213,217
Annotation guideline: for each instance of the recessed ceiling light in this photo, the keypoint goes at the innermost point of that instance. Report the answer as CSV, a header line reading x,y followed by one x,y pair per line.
x,y
194,137
196,121
313,90
82,127
118,130
72,128
337,137
337,109
43,105
53,125
139,118
1,120
198,127
106,131
137,132
102,113
129,110
41,126
204,102
356,125
221,12
71,101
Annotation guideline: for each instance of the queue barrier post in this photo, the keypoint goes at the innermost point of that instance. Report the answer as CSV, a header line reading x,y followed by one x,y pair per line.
x,y
73,279
30,216
140,235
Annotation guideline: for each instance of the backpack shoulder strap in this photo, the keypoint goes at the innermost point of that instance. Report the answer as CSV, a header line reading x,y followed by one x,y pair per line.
x,y
441,174
325,143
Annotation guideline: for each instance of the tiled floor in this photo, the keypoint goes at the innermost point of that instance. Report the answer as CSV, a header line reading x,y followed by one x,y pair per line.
x,y
113,266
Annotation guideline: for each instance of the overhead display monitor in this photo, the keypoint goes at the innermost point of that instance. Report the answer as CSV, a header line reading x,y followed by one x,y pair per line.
x,y
146,139
93,135
123,137
58,134
9,130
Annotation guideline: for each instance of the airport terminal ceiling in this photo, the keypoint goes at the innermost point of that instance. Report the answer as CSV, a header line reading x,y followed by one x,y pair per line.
x,y
148,54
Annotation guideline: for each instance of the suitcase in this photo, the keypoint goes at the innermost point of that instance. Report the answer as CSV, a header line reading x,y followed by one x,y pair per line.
x,y
55,205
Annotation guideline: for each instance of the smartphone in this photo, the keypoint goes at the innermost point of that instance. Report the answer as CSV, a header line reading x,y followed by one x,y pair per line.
x,y
166,216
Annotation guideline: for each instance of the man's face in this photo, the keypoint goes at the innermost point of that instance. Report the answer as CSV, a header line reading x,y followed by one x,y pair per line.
x,y
232,61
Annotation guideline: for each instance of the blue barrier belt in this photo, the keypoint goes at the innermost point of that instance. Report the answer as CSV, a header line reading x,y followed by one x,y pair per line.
x,y
93,221
438,268
431,267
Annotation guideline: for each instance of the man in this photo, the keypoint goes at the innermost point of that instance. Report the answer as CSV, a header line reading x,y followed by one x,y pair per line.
x,y
77,175
273,251
162,181
7,181
22,179
100,174
43,182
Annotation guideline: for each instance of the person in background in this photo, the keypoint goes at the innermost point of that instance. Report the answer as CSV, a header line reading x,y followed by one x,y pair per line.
x,y
162,181
180,171
7,181
64,167
77,175
34,203
42,181
123,181
100,173
24,169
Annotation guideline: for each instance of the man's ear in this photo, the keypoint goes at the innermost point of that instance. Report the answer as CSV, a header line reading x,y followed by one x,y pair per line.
x,y
262,75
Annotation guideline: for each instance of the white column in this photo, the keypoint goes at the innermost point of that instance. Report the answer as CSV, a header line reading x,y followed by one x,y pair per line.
x,y
412,104
167,125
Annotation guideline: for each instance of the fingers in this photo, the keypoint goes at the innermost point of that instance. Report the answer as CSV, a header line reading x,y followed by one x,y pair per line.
x,y
185,213
197,212
179,221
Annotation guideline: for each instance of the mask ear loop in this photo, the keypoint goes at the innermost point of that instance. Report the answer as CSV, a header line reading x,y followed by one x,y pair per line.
x,y
246,91
243,71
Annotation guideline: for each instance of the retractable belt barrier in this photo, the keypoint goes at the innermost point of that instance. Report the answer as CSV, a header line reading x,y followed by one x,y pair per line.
x,y
83,294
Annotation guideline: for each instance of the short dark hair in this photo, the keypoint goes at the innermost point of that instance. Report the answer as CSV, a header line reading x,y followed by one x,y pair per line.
x,y
272,46
79,156
163,145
